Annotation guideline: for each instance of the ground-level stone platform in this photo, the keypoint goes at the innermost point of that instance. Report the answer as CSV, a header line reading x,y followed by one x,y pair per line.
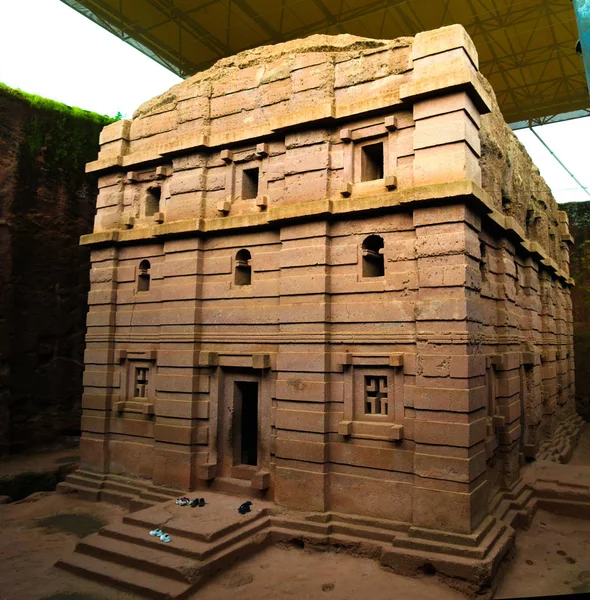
x,y
556,545
207,539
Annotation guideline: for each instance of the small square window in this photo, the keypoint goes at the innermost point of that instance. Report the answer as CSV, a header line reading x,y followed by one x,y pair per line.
x,y
152,201
250,179
376,397
372,162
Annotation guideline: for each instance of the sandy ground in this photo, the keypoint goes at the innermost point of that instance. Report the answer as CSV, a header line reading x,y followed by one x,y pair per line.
x,y
552,557
29,550
290,573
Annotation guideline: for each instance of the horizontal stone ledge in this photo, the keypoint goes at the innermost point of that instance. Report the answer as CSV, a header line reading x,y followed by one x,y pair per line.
x,y
318,208
466,190
326,111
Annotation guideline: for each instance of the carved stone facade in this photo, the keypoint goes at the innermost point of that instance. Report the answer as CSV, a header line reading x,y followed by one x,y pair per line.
x,y
327,271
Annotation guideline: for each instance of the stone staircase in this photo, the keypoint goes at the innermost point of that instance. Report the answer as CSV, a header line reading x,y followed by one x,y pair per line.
x,y
204,540
131,493
515,508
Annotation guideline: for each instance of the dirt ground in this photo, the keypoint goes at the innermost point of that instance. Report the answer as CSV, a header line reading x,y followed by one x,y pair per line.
x,y
552,557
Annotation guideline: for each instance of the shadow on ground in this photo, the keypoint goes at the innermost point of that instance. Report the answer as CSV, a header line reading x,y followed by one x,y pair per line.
x,y
80,524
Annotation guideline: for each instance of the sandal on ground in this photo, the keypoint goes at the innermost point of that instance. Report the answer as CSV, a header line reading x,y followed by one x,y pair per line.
x,y
165,538
201,501
183,501
156,533
195,502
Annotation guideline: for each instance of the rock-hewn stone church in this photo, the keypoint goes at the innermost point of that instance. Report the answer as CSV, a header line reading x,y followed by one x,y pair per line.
x,y
325,273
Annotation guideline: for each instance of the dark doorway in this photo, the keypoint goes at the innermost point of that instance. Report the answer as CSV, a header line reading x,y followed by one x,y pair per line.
x,y
248,422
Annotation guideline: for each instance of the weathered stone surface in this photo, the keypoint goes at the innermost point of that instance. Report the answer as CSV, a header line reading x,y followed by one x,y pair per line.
x,y
46,203
578,214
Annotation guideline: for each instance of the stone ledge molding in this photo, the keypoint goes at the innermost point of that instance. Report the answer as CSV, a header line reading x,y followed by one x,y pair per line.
x,y
444,192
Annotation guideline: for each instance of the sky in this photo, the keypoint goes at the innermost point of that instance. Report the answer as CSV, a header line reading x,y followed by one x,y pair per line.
x,y
47,48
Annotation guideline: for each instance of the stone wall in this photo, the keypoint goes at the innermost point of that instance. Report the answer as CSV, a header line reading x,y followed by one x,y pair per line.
x,y
46,203
579,217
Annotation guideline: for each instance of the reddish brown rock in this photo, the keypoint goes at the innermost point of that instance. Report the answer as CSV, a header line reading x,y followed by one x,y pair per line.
x,y
46,203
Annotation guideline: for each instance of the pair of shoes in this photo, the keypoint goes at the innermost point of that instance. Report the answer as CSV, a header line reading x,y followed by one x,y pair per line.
x,y
245,508
198,502
183,501
164,537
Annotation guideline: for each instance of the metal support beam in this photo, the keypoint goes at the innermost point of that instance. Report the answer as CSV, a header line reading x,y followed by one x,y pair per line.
x,y
582,10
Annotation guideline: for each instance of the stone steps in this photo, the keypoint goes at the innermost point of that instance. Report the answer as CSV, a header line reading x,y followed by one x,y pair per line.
x,y
384,524
131,493
126,557
153,497
305,527
147,557
116,497
184,545
336,527
458,539
87,482
235,487
123,486
123,577
224,530
83,492
411,560
438,547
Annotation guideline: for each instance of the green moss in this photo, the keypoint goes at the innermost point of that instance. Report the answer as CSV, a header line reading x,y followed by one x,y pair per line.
x,y
56,107
58,137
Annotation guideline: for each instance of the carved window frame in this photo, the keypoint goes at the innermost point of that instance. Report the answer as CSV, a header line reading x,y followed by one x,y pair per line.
x,y
235,167
356,423
129,361
382,130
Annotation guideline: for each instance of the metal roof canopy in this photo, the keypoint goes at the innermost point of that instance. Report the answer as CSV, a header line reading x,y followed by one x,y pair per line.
x,y
527,48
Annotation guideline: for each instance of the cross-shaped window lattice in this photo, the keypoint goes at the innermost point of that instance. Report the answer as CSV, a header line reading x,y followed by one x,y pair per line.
x,y
141,382
376,401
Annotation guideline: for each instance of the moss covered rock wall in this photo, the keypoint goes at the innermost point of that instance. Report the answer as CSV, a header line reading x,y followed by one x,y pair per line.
x,y
46,202
579,216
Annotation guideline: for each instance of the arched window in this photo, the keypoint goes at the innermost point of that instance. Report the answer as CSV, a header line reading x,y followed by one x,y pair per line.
x,y
373,259
243,268
152,201
143,276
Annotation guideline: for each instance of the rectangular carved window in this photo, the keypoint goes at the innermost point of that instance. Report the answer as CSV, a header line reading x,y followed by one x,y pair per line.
x,y
376,400
250,180
141,382
372,164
